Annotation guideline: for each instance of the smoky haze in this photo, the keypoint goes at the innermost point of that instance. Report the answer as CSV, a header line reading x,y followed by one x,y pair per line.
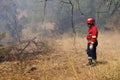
x,y
50,17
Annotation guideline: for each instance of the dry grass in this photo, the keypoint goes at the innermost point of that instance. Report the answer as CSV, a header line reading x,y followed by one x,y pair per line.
x,y
67,64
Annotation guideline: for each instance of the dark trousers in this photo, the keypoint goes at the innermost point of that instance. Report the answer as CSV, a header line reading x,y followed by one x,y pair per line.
x,y
92,52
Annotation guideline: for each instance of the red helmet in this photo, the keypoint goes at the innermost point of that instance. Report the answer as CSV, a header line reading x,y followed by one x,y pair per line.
x,y
90,20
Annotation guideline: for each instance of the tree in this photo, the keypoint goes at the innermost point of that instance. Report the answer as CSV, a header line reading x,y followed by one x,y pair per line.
x,y
9,19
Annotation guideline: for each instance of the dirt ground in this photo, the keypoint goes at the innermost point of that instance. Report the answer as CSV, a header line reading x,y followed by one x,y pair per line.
x,y
68,61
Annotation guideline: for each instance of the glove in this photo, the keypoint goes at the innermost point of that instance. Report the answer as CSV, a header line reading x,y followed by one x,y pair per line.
x,y
91,46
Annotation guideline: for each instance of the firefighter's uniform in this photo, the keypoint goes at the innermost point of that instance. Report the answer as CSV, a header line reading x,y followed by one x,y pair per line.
x,y
92,43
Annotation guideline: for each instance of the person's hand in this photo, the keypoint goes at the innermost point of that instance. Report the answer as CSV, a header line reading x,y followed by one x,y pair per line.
x,y
91,46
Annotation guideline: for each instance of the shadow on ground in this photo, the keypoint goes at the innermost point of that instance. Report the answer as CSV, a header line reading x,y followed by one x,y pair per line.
x,y
101,63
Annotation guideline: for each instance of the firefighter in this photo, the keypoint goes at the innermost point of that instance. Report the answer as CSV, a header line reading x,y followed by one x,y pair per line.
x,y
92,41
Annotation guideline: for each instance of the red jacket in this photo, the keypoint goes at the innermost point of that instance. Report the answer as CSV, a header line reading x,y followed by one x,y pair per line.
x,y
92,34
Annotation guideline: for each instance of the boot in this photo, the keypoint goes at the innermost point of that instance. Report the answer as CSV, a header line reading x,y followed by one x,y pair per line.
x,y
94,61
89,62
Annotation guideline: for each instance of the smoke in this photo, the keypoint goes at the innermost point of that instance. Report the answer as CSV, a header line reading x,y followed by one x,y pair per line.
x,y
39,29
24,17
